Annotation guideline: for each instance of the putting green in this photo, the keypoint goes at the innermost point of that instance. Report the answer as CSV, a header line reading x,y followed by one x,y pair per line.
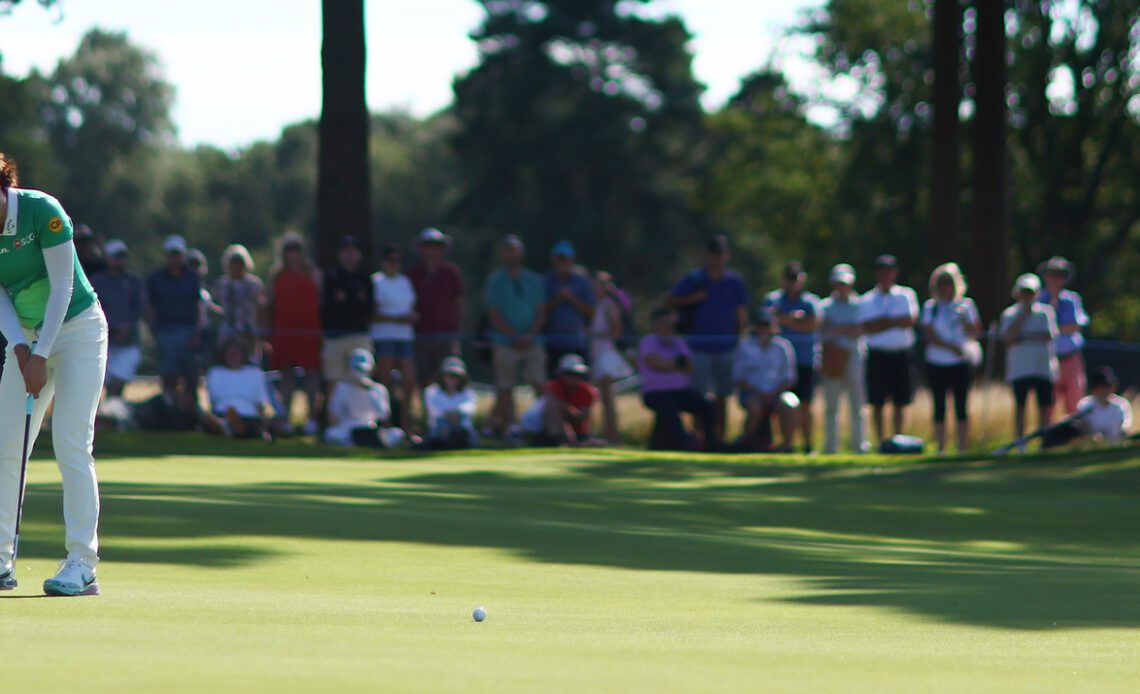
x,y
599,571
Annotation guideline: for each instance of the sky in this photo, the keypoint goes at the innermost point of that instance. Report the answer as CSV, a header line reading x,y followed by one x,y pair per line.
x,y
243,69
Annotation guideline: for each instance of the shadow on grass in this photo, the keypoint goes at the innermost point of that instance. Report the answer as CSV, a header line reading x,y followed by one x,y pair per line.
x,y
1050,543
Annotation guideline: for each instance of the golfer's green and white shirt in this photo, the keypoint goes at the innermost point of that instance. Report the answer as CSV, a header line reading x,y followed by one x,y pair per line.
x,y
36,221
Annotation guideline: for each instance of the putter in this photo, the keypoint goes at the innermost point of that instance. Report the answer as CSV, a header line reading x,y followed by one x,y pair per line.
x,y
10,582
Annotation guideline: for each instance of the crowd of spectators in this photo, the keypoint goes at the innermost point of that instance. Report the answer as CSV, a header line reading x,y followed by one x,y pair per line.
x,y
377,356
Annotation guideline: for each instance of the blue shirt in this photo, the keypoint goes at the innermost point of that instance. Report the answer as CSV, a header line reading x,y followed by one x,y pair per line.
x,y
565,325
803,342
517,299
713,329
1070,311
175,299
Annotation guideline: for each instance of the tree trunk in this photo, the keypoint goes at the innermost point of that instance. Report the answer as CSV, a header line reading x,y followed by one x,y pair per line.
x,y
945,226
990,236
343,186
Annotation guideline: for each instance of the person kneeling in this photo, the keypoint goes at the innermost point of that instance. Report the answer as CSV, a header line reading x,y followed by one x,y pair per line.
x,y
764,370
238,395
359,408
450,405
562,414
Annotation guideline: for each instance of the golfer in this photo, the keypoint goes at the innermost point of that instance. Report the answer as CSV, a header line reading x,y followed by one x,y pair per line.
x,y
57,336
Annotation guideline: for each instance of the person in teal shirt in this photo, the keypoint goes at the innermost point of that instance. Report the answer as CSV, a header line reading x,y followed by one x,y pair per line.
x,y
57,346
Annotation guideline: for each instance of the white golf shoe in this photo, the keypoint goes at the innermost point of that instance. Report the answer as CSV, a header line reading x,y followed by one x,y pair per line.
x,y
74,578
7,576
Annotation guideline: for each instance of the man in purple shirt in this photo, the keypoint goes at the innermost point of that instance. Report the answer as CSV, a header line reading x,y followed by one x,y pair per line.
x,y
714,302
665,363
1070,387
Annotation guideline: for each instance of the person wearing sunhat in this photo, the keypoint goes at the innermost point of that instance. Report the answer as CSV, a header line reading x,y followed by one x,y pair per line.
x,y
359,408
1058,273
441,303
176,318
1029,330
450,404
843,355
890,313
562,414
1109,416
122,294
764,369
570,304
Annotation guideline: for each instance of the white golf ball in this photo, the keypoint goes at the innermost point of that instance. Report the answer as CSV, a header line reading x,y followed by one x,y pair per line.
x,y
479,614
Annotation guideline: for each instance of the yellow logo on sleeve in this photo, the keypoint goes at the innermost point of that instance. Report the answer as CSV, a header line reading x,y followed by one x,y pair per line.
x,y
56,225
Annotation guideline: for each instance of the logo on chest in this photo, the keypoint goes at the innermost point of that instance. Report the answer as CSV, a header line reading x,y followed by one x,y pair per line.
x,y
19,243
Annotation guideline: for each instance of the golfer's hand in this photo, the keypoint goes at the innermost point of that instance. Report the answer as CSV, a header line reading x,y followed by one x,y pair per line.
x,y
23,354
35,374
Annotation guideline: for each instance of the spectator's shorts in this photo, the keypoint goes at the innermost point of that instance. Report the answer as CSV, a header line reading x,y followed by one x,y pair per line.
x,y
507,363
175,358
431,350
712,373
123,363
805,383
889,377
335,351
1042,386
392,349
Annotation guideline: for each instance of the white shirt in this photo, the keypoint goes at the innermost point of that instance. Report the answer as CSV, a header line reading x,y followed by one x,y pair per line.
x,y
767,368
243,389
439,403
395,298
949,320
1113,421
356,405
898,302
1036,357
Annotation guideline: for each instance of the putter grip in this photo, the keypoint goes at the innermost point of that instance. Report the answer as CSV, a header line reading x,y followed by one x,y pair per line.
x,y
29,405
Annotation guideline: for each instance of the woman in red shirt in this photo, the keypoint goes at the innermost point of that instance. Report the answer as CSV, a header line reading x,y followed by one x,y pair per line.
x,y
295,323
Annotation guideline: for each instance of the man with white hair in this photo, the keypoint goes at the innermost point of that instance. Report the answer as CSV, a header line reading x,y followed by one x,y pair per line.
x,y
122,294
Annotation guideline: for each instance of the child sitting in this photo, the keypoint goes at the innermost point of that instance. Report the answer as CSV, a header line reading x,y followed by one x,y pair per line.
x,y
238,394
359,408
450,405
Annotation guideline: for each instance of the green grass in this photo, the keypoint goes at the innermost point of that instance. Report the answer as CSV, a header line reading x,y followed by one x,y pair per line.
x,y
248,568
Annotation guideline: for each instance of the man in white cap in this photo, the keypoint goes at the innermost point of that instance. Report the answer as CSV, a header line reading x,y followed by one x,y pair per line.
x,y
565,407
843,355
176,317
1029,330
890,313
122,294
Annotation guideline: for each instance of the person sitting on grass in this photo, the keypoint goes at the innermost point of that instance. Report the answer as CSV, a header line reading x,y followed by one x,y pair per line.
x,y
359,408
1029,330
1109,418
450,405
764,369
562,415
665,363
238,394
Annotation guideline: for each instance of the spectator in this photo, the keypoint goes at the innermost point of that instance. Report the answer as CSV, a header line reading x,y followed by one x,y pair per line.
x,y
359,407
562,414
713,302
122,294
569,305
89,251
211,325
239,396
1109,417
392,331
951,324
176,317
1029,330
796,313
295,324
347,305
515,301
609,365
890,314
440,303
764,369
843,355
665,363
450,405
1058,272
241,296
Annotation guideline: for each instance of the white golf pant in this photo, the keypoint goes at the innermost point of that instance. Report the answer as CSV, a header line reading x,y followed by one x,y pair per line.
x,y
75,379
854,385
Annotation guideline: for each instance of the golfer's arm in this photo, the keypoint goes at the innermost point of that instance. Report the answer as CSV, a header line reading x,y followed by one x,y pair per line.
x,y
60,263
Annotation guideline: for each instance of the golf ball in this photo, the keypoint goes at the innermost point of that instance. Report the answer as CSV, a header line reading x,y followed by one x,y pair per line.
x,y
479,614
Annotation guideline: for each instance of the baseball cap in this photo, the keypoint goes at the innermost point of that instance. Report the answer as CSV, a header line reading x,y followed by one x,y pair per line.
x,y
349,241
1027,282
563,249
793,270
1104,376
454,366
83,232
174,244
512,241
717,244
886,260
843,273
361,361
573,364
1057,264
431,235
115,247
